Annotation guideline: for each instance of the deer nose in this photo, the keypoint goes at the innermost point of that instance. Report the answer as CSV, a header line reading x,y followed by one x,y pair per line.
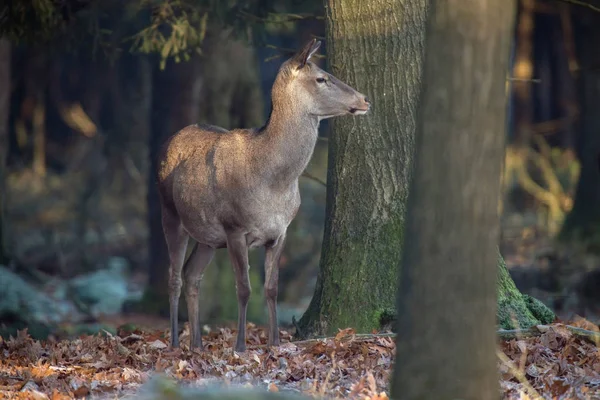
x,y
366,99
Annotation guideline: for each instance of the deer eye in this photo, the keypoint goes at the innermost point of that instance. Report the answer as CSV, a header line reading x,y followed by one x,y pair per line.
x,y
321,80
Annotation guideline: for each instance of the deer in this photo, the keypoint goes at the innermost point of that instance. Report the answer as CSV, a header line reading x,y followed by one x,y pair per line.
x,y
238,189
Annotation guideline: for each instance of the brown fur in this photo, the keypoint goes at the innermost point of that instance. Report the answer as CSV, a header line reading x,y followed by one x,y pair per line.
x,y
239,189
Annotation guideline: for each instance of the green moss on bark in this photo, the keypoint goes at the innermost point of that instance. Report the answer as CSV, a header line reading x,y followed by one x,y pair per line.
x,y
539,310
516,310
385,317
360,285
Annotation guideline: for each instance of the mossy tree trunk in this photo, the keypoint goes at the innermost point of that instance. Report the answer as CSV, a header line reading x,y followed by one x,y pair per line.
x,y
583,221
516,310
5,84
376,47
448,280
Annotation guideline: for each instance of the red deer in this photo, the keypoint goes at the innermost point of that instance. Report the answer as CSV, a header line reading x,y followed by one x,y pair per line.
x,y
238,189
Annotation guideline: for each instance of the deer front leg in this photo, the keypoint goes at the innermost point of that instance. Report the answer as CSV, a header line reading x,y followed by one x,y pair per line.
x,y
176,239
272,256
238,254
194,269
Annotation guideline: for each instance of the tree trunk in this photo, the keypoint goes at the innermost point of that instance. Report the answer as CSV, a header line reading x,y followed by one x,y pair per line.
x,y
131,98
517,310
448,280
39,134
175,104
523,73
5,84
583,221
376,47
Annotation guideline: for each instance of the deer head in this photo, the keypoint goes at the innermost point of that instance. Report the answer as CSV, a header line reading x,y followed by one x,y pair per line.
x,y
315,91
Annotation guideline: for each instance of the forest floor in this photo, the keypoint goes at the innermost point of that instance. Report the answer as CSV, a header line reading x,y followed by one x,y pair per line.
x,y
552,365
555,364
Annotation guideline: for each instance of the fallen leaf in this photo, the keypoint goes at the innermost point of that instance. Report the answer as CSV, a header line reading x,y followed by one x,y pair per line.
x,y
157,344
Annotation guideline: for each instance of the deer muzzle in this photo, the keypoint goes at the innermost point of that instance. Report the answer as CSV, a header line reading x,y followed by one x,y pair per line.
x,y
362,107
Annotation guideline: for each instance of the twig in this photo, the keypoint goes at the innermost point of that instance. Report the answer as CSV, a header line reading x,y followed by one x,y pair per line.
x,y
533,188
582,4
299,331
314,178
77,119
511,334
276,56
131,169
542,161
15,377
359,336
502,334
324,385
524,80
287,17
519,375
590,336
554,126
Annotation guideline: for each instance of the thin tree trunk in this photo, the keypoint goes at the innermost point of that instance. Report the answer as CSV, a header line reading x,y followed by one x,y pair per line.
x,y
39,135
583,222
449,277
5,85
131,96
523,72
376,47
567,76
175,104
231,98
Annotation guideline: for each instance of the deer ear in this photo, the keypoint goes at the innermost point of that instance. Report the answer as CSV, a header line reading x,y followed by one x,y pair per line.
x,y
306,53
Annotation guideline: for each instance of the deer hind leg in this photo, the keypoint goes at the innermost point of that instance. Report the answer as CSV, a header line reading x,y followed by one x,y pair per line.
x,y
176,239
193,271
272,256
238,254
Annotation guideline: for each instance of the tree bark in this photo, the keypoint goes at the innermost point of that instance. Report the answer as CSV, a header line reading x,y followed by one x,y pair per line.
x,y
376,47
5,85
583,221
448,280
515,309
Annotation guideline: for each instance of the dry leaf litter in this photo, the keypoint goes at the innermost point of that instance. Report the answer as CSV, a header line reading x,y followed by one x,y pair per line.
x,y
555,365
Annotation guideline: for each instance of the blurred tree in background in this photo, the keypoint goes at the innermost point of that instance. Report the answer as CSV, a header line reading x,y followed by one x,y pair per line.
x,y
5,60
582,223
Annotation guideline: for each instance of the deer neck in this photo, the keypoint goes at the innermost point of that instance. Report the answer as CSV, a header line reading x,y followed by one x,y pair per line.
x,y
286,143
